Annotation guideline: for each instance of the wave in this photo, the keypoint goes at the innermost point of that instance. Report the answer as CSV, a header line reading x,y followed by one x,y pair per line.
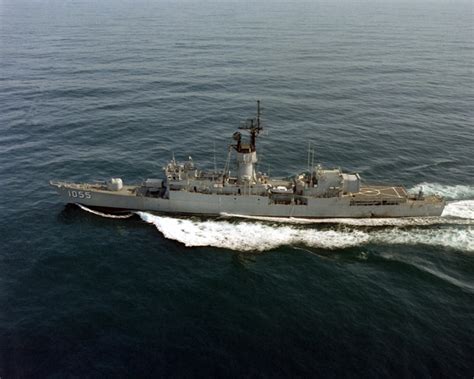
x,y
257,236
455,238
247,236
107,215
431,269
461,209
456,192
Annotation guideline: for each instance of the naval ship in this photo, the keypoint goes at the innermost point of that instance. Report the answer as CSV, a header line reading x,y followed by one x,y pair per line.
x,y
240,189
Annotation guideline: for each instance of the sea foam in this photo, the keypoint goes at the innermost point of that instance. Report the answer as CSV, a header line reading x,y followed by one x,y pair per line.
x,y
462,209
258,236
249,236
456,192
107,215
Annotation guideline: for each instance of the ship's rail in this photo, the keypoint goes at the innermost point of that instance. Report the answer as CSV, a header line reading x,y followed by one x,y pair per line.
x,y
62,183
433,199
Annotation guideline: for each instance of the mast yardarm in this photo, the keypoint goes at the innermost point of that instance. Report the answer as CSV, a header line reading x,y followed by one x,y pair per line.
x,y
253,126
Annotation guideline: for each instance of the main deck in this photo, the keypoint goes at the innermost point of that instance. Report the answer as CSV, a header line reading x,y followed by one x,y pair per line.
x,y
381,192
365,193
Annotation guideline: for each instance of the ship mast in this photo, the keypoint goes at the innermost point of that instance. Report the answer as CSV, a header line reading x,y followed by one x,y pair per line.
x,y
255,131
253,126
247,152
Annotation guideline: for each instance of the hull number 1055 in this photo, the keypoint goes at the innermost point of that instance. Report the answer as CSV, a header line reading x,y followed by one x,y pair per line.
x,y
79,194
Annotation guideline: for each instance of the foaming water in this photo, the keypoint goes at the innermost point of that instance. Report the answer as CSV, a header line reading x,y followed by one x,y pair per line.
x,y
462,209
450,192
107,215
248,236
257,236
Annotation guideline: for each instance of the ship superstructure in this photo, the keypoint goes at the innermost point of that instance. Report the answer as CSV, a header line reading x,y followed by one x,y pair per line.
x,y
316,193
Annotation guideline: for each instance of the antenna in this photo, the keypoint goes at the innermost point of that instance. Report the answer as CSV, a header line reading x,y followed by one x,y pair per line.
x,y
309,155
227,162
254,126
258,114
215,164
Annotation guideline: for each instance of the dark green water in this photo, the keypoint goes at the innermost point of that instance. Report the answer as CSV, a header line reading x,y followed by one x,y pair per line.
x,y
94,90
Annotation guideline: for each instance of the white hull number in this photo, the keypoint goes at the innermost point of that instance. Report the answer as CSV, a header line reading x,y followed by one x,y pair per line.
x,y
79,194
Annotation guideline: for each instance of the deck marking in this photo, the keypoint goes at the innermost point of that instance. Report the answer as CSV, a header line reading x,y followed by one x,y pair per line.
x,y
369,192
396,191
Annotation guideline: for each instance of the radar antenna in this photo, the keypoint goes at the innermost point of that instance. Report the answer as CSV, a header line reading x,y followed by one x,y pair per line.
x,y
254,126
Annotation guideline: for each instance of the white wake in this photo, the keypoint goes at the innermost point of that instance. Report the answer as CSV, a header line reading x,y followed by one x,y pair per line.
x,y
462,209
107,215
456,192
256,236
248,236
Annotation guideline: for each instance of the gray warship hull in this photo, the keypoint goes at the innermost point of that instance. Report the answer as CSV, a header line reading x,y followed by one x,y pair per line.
x,y
242,190
374,201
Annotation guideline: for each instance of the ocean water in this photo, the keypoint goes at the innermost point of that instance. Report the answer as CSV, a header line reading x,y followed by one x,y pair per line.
x,y
91,90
